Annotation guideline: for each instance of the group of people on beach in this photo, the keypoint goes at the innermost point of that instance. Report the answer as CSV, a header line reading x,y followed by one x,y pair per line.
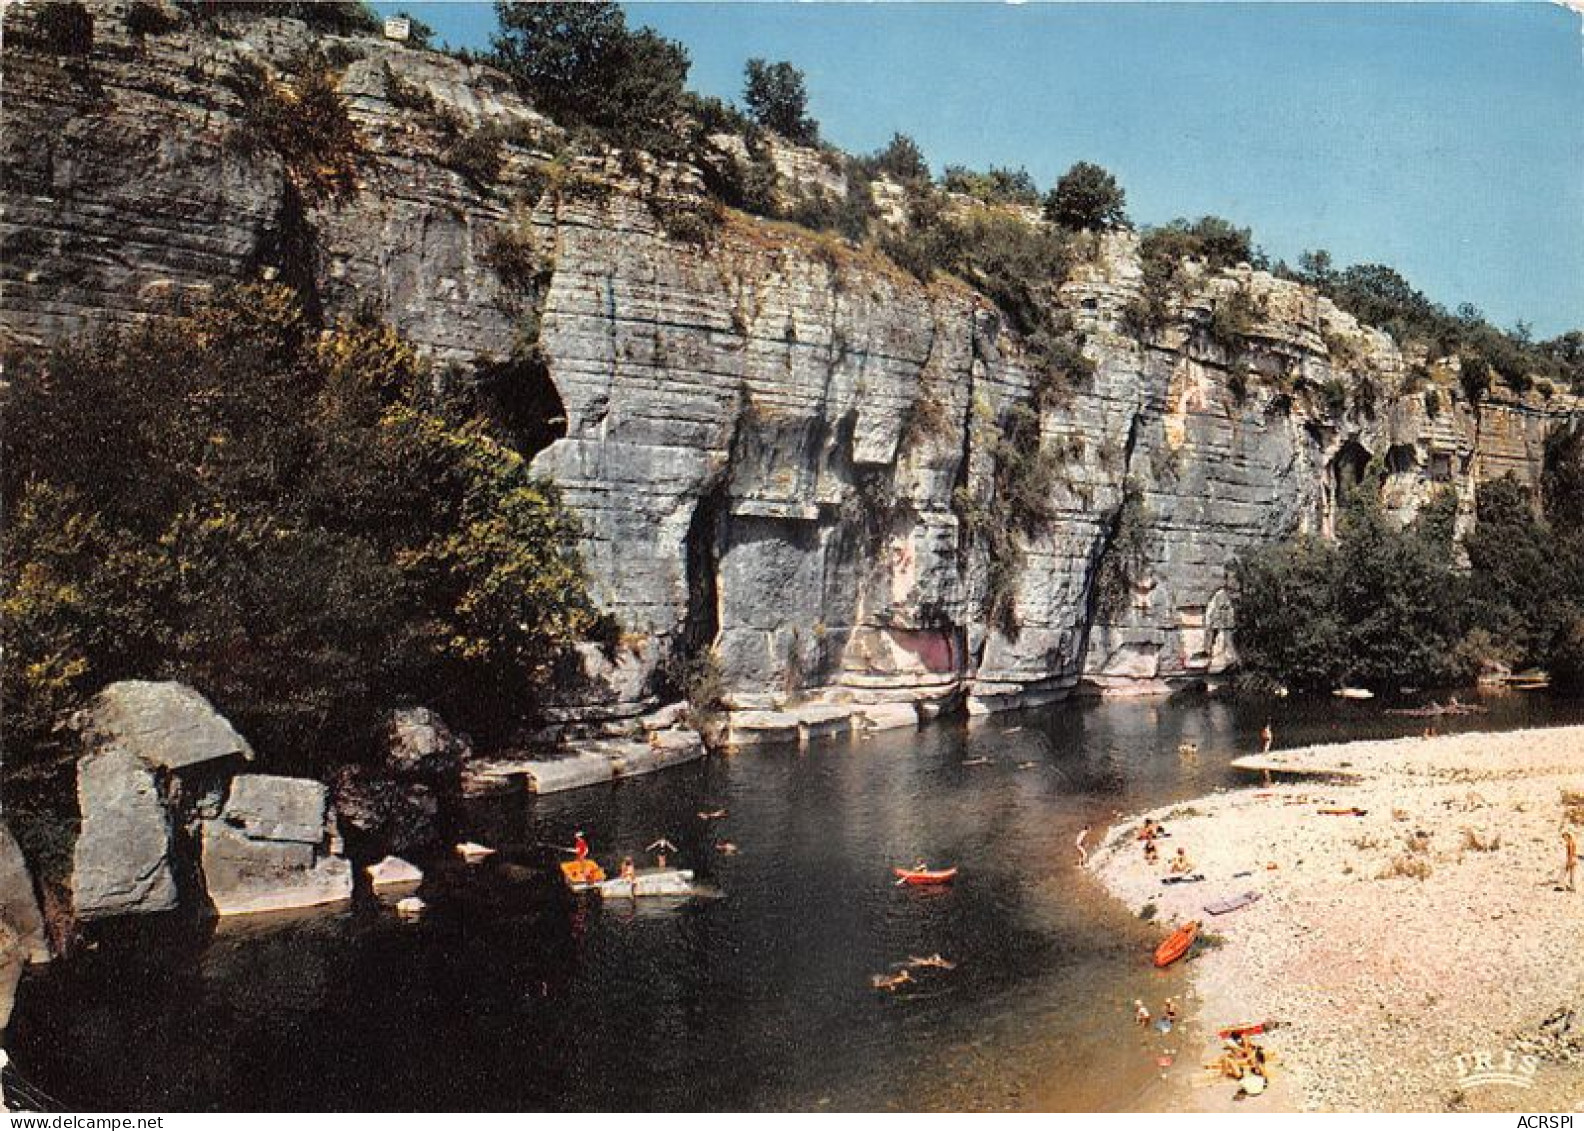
x,y
1245,1060
1150,834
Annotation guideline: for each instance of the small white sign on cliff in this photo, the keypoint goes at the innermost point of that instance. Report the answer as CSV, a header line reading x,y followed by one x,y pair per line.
x,y
398,28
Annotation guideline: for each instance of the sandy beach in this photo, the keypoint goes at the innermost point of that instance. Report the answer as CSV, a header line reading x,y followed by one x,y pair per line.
x,y
1387,945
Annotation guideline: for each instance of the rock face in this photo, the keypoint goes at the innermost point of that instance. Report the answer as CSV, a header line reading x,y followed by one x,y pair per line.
x,y
20,918
741,421
270,849
121,863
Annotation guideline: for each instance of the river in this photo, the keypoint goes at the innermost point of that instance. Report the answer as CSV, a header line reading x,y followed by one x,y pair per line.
x,y
508,994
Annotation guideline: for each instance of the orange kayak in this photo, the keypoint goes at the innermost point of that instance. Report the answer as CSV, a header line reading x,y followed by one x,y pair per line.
x,y
1176,944
1232,1032
917,876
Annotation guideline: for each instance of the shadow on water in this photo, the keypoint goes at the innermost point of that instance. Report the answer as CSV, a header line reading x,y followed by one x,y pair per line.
x,y
511,994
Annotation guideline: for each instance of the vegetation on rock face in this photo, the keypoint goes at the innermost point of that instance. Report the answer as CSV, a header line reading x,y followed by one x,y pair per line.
x,y
292,521
61,28
1378,296
1126,553
1384,607
902,160
993,186
337,17
305,122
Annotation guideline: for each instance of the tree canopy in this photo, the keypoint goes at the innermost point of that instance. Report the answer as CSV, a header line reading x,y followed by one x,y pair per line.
x,y
1087,198
777,100
581,64
293,522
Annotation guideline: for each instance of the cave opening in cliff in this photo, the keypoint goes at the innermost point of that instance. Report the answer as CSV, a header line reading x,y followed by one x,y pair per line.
x,y
701,549
518,397
1348,468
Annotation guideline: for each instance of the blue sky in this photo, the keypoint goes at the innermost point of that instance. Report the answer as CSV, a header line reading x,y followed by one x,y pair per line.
x,y
1444,140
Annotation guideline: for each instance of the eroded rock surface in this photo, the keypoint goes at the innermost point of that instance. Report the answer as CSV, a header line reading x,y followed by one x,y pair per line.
x,y
774,439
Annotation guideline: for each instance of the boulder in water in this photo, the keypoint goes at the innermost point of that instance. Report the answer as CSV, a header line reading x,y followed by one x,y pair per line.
x,y
269,850
121,863
393,872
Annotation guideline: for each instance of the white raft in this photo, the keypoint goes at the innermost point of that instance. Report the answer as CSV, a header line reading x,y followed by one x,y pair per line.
x,y
648,882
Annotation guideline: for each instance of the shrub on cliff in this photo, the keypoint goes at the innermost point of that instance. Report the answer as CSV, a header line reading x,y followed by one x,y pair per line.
x,y
902,160
993,186
304,121
293,522
1087,198
337,17
477,155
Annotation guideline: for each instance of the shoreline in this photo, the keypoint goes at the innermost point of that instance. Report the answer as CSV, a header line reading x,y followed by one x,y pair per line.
x,y
1387,944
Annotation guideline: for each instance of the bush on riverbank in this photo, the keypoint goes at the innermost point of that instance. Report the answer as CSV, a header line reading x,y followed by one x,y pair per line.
x,y
291,520
1385,607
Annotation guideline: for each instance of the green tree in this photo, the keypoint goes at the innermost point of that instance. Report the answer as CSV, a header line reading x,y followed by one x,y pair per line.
x,y
288,518
902,160
580,64
1087,198
1289,628
1514,583
777,100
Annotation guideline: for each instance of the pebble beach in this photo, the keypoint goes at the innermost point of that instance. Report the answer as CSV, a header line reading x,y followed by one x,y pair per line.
x,y
1401,945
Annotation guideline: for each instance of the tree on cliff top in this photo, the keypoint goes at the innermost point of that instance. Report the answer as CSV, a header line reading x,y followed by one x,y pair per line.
x,y
581,64
1087,198
776,99
901,159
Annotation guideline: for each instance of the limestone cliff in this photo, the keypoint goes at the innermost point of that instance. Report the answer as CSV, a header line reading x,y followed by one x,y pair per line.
x,y
771,436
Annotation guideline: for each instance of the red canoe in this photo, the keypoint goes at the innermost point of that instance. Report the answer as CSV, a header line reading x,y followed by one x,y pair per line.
x,y
924,875
1176,944
1252,1029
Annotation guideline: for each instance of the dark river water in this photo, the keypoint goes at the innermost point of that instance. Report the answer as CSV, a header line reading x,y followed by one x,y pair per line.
x,y
509,994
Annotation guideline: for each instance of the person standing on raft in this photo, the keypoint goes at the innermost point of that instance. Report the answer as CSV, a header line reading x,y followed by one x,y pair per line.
x,y
580,845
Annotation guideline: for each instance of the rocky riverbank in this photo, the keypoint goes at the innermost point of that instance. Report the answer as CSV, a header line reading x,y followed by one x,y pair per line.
x,y
1397,941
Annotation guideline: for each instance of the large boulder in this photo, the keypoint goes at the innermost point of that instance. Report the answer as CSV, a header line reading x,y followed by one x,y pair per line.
x,y
271,848
155,753
19,909
121,864
421,745
166,725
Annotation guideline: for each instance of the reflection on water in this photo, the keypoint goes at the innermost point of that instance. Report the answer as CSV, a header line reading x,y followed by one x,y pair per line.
x,y
510,994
